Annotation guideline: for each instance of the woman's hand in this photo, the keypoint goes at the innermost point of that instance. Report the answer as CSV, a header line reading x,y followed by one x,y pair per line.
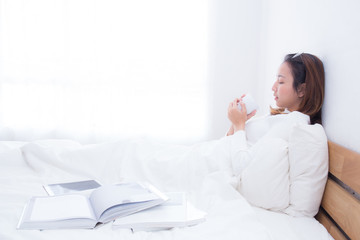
x,y
238,117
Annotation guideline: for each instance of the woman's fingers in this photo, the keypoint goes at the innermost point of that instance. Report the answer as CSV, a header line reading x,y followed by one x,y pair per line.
x,y
235,102
243,107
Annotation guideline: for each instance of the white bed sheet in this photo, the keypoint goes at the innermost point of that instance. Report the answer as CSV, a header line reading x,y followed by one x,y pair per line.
x,y
285,227
25,167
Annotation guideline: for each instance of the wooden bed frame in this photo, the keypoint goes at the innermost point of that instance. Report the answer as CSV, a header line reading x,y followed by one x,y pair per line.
x,y
340,206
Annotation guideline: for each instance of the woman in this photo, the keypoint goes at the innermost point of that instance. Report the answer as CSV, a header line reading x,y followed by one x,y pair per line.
x,y
299,95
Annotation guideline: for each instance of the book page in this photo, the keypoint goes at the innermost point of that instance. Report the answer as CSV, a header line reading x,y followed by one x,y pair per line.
x,y
61,207
125,193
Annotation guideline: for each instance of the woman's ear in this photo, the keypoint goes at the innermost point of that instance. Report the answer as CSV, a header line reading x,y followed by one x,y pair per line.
x,y
301,90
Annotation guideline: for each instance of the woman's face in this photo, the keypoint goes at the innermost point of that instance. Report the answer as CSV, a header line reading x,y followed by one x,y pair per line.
x,y
284,92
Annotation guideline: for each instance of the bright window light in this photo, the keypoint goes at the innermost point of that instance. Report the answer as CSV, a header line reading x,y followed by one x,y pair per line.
x,y
95,70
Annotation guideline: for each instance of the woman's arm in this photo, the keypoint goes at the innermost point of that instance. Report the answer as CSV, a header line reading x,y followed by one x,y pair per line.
x,y
239,151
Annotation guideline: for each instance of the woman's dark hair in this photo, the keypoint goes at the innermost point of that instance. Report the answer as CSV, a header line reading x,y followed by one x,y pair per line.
x,y
308,69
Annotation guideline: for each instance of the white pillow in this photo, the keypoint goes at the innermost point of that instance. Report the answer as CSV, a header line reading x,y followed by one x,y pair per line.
x,y
265,181
308,156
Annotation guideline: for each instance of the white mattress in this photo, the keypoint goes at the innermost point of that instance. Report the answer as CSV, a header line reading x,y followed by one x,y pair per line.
x,y
25,167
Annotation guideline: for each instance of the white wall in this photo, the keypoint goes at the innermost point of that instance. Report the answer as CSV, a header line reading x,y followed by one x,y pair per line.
x,y
233,57
250,39
330,30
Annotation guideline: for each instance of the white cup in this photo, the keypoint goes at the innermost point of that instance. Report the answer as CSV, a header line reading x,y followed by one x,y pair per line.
x,y
250,103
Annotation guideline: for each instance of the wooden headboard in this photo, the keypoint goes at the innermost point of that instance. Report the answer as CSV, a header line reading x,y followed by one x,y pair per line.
x,y
340,206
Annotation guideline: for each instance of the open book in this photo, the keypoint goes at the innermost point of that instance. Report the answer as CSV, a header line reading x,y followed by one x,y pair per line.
x,y
79,211
176,212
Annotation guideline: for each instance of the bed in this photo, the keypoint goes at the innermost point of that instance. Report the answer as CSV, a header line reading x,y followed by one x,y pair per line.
x,y
340,207
26,166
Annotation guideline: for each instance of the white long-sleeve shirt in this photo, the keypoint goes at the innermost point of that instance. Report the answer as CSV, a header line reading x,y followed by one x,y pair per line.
x,y
269,126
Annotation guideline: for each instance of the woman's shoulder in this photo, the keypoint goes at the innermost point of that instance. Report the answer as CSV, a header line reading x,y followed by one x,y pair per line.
x,y
283,123
288,117
294,117
299,116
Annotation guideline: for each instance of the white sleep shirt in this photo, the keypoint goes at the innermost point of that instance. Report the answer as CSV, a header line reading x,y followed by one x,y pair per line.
x,y
269,126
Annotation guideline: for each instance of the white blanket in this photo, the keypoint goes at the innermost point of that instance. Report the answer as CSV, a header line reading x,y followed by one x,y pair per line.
x,y
202,170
